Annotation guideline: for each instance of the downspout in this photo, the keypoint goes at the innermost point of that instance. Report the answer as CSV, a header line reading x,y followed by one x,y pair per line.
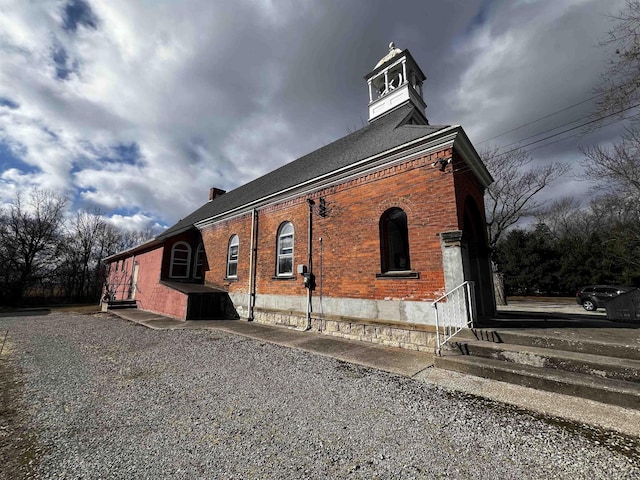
x,y
310,263
252,273
133,267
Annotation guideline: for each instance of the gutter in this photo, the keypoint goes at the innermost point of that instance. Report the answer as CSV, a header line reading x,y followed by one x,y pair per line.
x,y
125,253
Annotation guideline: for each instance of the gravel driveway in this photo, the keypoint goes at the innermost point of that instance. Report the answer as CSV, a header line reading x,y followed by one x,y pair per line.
x,y
93,396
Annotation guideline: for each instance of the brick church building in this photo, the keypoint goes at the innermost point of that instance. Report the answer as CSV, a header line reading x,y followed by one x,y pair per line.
x,y
356,239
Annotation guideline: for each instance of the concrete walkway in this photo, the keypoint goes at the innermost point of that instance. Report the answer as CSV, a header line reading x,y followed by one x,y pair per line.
x,y
416,365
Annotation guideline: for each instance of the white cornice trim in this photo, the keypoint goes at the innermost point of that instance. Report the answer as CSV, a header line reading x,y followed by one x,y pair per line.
x,y
435,141
470,155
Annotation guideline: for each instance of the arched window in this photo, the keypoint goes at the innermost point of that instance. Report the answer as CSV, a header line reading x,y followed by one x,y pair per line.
x,y
180,260
285,250
198,261
232,257
394,241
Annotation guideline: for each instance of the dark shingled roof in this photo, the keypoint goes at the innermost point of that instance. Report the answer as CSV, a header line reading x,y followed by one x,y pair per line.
x,y
382,134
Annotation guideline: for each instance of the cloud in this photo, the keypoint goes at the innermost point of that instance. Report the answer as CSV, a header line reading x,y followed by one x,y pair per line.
x,y
528,62
138,108
78,13
135,223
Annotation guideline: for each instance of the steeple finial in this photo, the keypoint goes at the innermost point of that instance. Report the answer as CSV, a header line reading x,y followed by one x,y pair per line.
x,y
393,51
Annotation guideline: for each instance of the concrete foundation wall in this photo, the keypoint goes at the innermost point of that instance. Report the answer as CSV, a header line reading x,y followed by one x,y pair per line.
x,y
419,313
393,323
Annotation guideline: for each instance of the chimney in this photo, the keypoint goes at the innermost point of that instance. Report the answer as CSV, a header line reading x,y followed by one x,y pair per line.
x,y
215,193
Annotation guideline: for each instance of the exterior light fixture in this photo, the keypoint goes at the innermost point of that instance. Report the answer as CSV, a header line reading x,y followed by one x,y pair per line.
x,y
443,162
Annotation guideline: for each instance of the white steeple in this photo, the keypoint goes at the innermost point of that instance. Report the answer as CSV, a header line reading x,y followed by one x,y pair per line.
x,y
395,80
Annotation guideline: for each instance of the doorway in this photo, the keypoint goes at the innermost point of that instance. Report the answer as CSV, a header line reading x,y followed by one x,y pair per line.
x,y
133,285
476,259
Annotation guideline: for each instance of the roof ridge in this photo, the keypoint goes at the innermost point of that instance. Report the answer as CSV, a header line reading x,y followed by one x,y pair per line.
x,y
372,139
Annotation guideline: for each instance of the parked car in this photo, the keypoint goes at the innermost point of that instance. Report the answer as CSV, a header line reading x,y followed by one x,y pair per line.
x,y
593,297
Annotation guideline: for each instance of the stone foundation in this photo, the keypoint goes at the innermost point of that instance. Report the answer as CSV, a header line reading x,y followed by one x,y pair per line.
x,y
393,334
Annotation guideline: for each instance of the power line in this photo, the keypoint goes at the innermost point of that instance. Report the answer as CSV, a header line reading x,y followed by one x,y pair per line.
x,y
542,118
571,129
575,135
546,131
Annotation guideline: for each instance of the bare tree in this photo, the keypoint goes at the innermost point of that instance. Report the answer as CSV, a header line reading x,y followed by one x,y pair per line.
x,y
512,196
607,213
90,238
130,239
29,239
82,252
615,169
619,87
562,217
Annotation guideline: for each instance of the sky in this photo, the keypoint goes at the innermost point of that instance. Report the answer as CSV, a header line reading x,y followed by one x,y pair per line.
x,y
136,108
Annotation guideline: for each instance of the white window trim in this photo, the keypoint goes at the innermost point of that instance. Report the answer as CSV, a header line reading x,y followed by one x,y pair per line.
x,y
198,261
234,241
187,262
279,255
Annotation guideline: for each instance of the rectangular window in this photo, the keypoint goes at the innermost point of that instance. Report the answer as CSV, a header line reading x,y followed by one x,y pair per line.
x,y
286,245
233,261
285,265
179,270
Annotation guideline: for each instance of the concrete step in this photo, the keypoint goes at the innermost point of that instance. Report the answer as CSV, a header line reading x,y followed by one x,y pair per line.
x,y
602,342
605,390
595,365
122,304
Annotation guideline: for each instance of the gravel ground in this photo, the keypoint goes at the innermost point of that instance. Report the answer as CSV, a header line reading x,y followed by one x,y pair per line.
x,y
93,396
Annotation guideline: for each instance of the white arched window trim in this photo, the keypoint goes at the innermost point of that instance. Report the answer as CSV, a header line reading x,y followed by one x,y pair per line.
x,y
232,257
198,261
180,260
284,265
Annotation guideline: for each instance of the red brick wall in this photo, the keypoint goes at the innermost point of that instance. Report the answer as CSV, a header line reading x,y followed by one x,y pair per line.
x,y
347,259
350,256
150,294
467,185
216,243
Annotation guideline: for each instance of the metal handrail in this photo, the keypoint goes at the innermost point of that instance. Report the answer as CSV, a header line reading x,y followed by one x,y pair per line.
x,y
459,312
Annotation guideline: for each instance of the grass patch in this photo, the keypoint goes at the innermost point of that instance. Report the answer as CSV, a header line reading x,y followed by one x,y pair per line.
x,y
19,446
